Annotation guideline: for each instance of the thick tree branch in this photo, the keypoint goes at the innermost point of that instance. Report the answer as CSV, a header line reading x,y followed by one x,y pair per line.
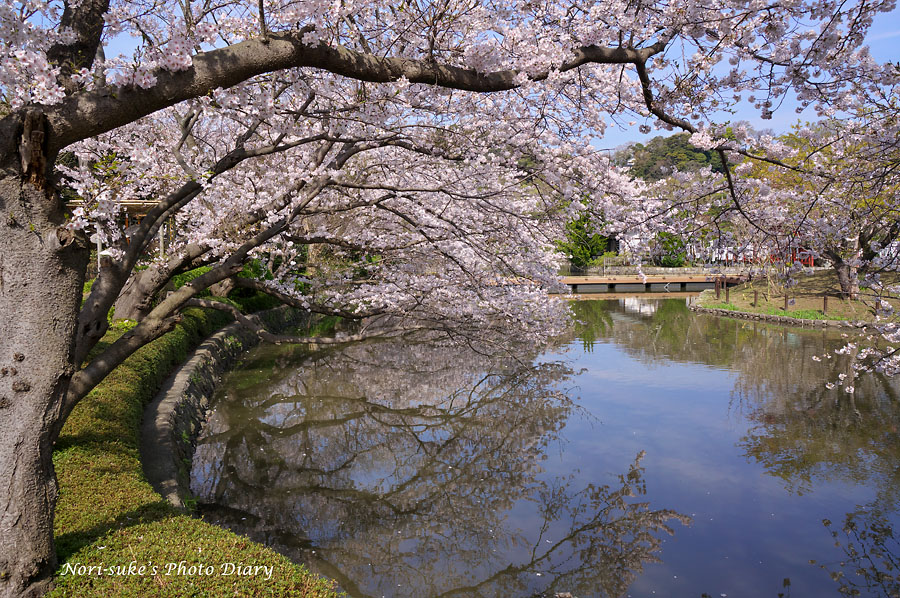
x,y
85,18
650,102
257,285
153,325
86,114
92,322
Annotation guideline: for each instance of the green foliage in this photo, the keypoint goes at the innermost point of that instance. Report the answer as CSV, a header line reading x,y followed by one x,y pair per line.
x,y
98,451
179,280
657,159
582,244
256,270
672,251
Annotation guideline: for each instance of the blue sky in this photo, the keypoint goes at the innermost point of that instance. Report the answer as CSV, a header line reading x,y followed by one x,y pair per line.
x,y
884,44
883,40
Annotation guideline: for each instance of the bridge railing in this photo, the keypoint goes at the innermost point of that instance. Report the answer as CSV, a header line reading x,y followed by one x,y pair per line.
x,y
620,266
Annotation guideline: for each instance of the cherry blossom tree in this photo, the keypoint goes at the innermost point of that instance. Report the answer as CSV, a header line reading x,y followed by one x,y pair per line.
x,y
392,132
828,189
837,195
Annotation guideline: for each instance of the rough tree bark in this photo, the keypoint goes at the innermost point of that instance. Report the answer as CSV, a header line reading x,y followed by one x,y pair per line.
x,y
847,273
136,299
42,269
848,278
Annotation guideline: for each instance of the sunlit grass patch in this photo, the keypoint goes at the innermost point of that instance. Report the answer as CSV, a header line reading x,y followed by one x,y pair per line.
x,y
815,296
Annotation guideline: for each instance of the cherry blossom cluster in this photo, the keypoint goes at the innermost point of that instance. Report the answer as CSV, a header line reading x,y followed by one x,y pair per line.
x,y
33,67
414,198
442,217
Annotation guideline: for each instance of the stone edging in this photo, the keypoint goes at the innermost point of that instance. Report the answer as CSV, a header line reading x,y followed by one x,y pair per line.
x,y
173,419
744,315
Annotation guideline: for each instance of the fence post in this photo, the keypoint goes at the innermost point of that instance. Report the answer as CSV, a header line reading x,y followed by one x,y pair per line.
x,y
755,298
785,302
825,304
718,287
727,292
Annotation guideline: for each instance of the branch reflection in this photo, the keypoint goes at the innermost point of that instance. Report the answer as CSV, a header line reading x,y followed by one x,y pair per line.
x,y
798,429
413,469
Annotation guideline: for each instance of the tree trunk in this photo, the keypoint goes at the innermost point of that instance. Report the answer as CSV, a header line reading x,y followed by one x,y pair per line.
x,y
848,278
136,299
42,269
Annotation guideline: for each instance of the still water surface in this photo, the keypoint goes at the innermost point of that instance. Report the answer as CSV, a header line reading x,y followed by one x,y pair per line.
x,y
653,452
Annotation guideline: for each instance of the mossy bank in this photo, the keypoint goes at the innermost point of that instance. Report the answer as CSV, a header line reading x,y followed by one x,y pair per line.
x,y
174,418
115,535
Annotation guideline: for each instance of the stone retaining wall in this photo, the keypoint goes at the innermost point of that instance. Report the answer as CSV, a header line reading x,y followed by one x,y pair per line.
x,y
173,420
744,315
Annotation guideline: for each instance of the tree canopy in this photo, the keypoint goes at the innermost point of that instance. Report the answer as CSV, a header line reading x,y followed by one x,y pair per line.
x,y
431,151
661,156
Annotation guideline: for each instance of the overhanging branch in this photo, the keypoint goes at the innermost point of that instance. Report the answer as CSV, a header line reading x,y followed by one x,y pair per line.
x,y
257,285
252,323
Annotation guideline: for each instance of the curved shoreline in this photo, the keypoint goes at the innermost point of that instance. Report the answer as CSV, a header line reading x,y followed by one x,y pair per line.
x,y
746,315
173,419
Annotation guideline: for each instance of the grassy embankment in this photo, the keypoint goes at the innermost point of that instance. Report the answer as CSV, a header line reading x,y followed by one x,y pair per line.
x,y
109,516
806,299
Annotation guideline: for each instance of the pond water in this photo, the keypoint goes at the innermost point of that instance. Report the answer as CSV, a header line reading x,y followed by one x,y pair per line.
x,y
653,452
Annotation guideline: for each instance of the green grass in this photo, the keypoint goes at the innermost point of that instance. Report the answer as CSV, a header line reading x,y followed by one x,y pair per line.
x,y
800,314
807,298
108,515
729,306
803,314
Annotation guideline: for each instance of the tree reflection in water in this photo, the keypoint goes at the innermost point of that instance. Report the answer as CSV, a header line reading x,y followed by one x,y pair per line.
x,y
399,468
820,434
799,430
871,566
